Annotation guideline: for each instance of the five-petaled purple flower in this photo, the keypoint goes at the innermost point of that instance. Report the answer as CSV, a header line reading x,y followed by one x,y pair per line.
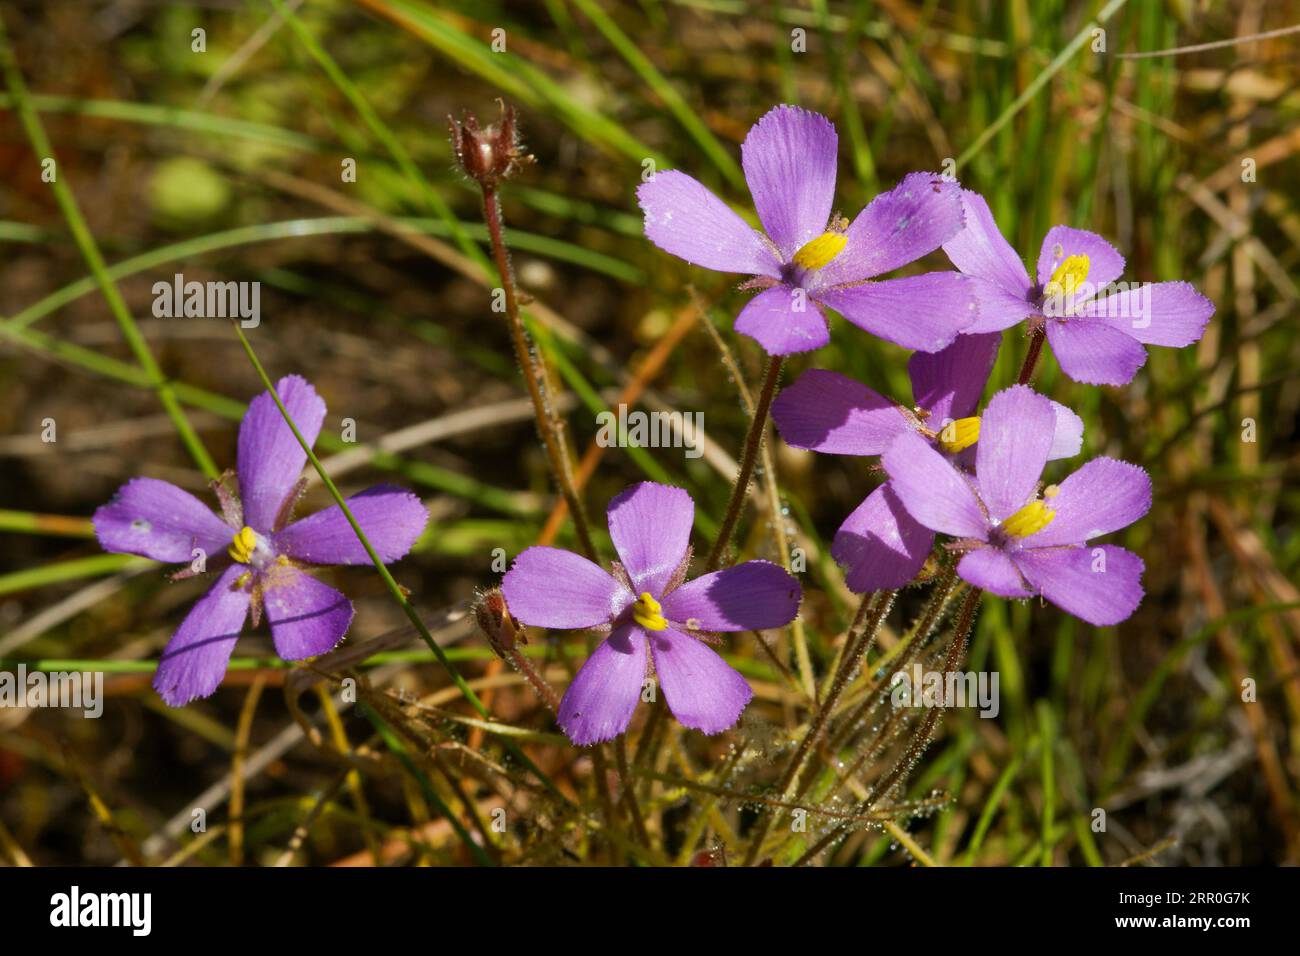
x,y
809,257
1097,339
1018,541
267,554
642,604
880,545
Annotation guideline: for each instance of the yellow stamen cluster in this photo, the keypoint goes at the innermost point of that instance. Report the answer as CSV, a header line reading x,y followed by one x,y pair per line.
x,y
960,434
649,613
818,252
1030,519
242,545
1068,276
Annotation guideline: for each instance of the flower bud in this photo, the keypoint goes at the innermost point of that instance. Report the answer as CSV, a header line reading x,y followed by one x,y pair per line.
x,y
494,619
488,154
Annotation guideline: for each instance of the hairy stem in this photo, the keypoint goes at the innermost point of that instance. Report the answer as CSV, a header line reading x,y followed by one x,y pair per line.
x,y
534,373
861,633
1036,338
956,650
753,442
629,791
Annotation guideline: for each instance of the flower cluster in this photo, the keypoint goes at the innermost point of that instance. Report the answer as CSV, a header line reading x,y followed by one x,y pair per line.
x,y
949,470
974,477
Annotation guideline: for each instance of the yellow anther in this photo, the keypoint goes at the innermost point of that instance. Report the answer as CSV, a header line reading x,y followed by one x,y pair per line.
x,y
241,582
1030,519
1068,276
242,545
283,560
818,252
959,434
649,613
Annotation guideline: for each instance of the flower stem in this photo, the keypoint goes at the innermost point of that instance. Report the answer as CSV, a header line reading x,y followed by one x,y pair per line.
x,y
1036,338
540,685
534,373
629,791
753,442
956,650
861,634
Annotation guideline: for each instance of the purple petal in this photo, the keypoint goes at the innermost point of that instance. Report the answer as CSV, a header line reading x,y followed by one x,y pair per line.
x,y
195,659
1016,434
831,413
160,521
922,312
900,226
789,158
702,690
750,596
979,249
1093,353
997,309
391,517
308,617
270,458
1173,314
880,545
992,570
599,703
651,528
783,320
1102,496
547,587
1100,585
949,383
684,218
1105,264
931,489
1067,438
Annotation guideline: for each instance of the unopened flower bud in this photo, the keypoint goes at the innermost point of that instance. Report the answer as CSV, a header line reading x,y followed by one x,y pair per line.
x,y
494,619
488,154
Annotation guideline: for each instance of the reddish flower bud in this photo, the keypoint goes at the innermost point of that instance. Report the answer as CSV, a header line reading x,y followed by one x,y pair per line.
x,y
488,154
494,619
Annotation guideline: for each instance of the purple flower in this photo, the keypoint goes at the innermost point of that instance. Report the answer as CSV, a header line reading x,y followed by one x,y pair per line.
x,y
880,545
267,555
810,258
643,604
1097,340
1018,542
